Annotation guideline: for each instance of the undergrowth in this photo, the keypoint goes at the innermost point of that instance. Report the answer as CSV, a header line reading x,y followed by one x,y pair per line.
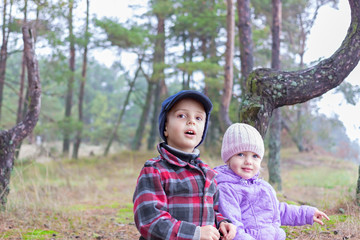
x,y
91,198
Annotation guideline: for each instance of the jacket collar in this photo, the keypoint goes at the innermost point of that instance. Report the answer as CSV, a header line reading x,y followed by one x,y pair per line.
x,y
172,156
176,156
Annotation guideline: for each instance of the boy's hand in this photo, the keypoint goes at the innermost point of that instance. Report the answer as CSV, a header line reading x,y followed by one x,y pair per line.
x,y
318,215
209,232
228,230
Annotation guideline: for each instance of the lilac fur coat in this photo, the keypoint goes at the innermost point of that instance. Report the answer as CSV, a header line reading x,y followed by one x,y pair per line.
x,y
253,208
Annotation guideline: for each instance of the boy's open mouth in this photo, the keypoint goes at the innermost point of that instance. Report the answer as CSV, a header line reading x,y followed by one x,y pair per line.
x,y
190,132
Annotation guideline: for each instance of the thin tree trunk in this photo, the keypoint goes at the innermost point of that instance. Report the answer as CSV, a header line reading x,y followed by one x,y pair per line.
x,y
274,162
70,85
82,87
157,78
246,42
358,188
225,121
11,138
3,50
21,100
19,114
136,144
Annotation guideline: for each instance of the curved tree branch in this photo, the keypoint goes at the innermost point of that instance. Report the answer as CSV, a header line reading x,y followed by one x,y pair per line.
x,y
11,138
268,89
25,127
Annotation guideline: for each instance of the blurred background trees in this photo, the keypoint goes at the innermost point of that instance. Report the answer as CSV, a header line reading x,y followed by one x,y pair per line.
x,y
177,45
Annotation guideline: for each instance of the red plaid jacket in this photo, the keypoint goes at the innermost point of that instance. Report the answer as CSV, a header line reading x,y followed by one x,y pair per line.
x,y
172,197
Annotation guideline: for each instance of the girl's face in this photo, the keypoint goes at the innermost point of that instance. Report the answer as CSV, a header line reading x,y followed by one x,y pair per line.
x,y
245,164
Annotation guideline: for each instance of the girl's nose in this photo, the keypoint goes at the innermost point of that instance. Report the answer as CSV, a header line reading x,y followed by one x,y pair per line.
x,y
247,161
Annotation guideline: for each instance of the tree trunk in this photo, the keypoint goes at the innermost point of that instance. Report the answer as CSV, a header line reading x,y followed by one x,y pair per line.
x,y
268,89
275,123
21,100
136,144
70,85
11,138
3,50
246,42
158,78
274,163
225,121
82,87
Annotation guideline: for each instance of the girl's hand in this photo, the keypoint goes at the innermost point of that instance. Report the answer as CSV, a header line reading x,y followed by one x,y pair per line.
x,y
228,230
318,215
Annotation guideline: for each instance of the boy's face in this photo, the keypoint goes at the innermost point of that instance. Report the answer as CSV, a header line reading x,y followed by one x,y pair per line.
x,y
245,164
185,124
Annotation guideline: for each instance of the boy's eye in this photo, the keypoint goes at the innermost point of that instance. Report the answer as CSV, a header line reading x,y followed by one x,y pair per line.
x,y
181,116
199,118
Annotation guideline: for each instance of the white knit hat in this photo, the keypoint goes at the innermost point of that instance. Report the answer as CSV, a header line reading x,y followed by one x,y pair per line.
x,y
241,137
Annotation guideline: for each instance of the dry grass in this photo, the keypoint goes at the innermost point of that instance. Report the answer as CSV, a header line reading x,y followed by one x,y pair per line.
x,y
91,198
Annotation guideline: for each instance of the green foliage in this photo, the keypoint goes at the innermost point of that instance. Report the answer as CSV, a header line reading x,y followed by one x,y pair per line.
x,y
122,37
126,214
195,19
206,67
162,8
320,177
37,234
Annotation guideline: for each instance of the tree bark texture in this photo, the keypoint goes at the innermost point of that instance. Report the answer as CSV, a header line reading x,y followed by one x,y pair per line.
x,y
268,89
21,100
11,138
246,42
70,85
225,121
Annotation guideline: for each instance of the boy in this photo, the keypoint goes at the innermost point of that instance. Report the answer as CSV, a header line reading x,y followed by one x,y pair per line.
x,y
176,195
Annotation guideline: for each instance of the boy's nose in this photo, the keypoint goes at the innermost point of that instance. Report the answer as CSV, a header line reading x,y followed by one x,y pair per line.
x,y
191,122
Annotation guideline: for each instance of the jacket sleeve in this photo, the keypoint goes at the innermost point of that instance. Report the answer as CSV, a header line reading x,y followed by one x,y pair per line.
x,y
150,210
292,215
218,216
229,207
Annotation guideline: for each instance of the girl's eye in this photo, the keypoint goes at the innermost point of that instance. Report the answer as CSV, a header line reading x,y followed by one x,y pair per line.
x,y
256,156
240,154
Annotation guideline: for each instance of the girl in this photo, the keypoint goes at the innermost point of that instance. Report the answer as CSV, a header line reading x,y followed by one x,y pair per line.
x,y
248,201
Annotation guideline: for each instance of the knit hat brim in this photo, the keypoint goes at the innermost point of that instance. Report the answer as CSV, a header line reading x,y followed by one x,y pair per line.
x,y
241,137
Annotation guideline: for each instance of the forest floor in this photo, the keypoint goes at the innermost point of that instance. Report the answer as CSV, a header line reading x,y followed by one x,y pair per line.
x,y
91,198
